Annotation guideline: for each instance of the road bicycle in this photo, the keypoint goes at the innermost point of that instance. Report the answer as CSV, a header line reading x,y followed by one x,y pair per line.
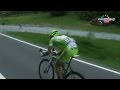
x,y
47,67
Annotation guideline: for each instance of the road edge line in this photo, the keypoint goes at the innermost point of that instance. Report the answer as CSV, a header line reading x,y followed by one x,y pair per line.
x,y
113,71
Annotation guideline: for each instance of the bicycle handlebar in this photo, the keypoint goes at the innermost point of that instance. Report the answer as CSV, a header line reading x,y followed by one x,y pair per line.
x,y
41,52
53,52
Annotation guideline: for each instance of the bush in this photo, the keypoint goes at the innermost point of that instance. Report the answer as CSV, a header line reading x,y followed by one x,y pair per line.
x,y
58,13
117,18
87,15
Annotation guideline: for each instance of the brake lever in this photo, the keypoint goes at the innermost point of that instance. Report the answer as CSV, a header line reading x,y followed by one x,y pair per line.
x,y
41,52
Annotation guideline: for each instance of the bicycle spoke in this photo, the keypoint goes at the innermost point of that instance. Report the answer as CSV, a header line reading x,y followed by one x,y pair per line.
x,y
46,70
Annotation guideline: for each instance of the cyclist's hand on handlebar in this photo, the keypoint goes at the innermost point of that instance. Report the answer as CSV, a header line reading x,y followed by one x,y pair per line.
x,y
41,52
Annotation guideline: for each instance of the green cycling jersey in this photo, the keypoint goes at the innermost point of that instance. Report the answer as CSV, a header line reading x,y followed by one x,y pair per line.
x,y
65,44
62,42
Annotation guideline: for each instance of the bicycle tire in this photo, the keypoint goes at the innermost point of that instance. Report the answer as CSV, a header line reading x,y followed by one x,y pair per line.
x,y
40,69
74,73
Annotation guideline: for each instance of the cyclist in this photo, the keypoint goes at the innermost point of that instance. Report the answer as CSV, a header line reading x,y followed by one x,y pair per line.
x,y
66,46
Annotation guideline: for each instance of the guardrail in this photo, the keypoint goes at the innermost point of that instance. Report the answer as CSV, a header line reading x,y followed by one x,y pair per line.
x,y
47,29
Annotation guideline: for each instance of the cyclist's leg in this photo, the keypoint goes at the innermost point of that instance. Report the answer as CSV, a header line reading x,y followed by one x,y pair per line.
x,y
58,68
64,57
59,63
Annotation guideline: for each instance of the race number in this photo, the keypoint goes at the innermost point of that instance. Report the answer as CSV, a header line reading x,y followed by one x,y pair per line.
x,y
72,44
67,40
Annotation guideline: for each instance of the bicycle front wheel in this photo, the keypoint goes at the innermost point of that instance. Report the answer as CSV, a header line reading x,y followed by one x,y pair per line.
x,y
74,75
46,70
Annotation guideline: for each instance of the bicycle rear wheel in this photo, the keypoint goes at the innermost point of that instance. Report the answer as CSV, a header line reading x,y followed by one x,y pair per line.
x,y
46,70
74,75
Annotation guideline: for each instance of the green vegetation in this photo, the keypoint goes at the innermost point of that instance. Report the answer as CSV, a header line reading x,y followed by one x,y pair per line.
x,y
71,20
106,52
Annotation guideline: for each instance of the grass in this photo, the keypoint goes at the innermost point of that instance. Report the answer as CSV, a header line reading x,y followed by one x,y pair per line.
x,y
69,21
105,52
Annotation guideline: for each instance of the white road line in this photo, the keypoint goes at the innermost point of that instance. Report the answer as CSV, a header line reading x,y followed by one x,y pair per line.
x,y
23,41
113,71
97,66
1,76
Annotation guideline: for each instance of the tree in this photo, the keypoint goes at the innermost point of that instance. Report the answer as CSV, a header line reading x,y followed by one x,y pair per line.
x,y
87,15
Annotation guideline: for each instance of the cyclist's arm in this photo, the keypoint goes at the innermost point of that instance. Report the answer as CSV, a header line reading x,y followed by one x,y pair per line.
x,y
48,51
49,48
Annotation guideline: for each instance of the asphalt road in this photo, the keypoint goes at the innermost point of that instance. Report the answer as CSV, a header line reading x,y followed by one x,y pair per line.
x,y
20,61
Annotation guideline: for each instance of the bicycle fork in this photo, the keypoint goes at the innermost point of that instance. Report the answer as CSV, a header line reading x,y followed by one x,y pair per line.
x,y
48,67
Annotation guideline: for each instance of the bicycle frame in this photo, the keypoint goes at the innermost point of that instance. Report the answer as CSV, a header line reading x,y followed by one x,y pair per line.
x,y
65,71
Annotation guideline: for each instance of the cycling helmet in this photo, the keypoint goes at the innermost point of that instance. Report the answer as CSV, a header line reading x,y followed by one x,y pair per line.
x,y
54,33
